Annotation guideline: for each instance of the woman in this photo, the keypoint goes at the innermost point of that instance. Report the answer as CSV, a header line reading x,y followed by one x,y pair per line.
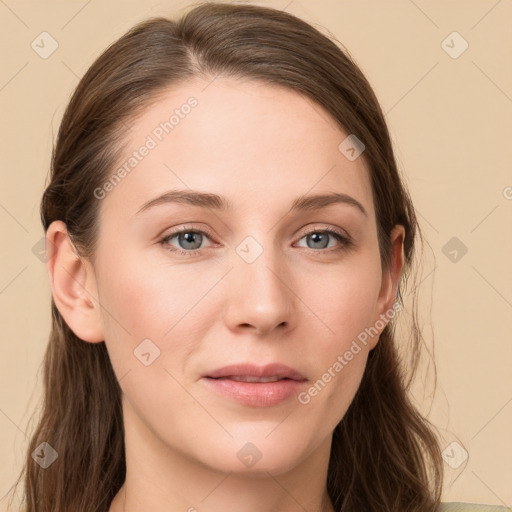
x,y
229,239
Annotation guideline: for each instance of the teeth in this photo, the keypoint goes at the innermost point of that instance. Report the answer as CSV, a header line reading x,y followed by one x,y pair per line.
x,y
247,378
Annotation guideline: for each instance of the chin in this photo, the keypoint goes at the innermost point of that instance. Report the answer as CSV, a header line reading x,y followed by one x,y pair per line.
x,y
275,464
257,453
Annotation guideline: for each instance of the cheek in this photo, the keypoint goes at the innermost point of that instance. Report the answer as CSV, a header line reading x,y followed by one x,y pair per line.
x,y
167,304
344,300
346,303
148,300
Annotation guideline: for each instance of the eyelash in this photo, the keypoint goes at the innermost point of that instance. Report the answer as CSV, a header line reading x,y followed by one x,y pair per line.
x,y
345,242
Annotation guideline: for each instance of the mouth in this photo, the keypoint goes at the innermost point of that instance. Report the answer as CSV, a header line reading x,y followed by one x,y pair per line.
x,y
247,372
255,386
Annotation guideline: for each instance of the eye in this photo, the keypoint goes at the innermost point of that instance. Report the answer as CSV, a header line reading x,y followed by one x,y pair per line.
x,y
320,238
189,241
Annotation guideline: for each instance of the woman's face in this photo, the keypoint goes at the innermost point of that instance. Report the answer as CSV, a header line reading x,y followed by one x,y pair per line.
x,y
256,279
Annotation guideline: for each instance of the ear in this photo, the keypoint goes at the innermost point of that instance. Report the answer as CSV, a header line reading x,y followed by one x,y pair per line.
x,y
73,285
390,280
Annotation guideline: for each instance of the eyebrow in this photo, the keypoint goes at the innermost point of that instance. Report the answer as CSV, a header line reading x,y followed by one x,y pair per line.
x,y
216,202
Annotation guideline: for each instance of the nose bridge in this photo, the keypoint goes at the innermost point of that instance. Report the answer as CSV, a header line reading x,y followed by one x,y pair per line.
x,y
259,291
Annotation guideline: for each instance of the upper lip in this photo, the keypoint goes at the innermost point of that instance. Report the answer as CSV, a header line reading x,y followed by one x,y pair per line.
x,y
250,370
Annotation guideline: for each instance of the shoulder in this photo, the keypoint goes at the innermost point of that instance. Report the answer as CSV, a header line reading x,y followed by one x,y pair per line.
x,y
472,507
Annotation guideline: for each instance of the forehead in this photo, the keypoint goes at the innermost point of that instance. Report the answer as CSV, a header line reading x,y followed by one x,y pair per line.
x,y
254,143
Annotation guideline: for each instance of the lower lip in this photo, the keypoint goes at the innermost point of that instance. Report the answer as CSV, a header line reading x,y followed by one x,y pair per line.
x,y
256,394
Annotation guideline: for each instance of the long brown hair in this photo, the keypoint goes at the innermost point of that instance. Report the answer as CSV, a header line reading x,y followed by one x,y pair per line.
x,y
385,455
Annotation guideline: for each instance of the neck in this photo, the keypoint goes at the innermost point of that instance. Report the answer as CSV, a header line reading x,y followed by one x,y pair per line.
x,y
258,496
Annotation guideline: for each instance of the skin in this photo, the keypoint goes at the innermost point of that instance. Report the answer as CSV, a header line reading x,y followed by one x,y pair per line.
x,y
260,146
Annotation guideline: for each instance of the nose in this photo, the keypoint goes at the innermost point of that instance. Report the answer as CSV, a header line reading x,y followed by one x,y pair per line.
x,y
260,294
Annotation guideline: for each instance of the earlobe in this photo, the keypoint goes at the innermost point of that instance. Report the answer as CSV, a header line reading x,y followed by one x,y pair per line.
x,y
390,280
73,285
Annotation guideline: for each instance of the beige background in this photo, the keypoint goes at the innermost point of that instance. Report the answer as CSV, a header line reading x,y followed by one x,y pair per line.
x,y
451,123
